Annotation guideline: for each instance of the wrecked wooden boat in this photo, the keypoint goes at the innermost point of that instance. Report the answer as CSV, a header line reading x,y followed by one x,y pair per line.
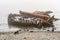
x,y
28,20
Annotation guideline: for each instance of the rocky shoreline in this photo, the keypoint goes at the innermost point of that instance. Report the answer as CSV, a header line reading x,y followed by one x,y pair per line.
x,y
30,36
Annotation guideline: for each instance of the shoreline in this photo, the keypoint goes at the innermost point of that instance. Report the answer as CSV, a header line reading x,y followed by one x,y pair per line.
x,y
30,32
42,35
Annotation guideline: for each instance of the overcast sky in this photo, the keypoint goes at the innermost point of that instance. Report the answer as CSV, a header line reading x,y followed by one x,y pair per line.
x,y
13,6
29,5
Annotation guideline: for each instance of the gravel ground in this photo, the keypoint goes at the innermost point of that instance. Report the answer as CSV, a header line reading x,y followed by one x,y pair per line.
x,y
31,36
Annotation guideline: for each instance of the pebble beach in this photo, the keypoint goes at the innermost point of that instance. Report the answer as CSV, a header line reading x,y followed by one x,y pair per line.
x,y
30,36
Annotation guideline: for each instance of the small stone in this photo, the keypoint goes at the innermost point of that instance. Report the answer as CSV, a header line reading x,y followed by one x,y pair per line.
x,y
27,38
